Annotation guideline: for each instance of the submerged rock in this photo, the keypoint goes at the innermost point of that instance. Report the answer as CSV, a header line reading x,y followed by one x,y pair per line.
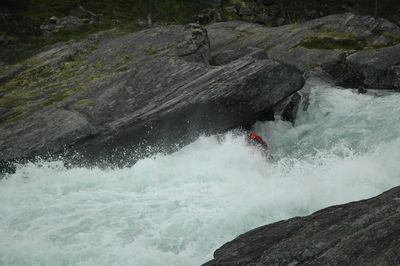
x,y
153,87
290,111
362,91
358,233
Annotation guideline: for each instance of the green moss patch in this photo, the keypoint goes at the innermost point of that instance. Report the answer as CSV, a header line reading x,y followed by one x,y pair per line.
x,y
331,43
230,27
123,69
395,37
54,98
126,57
345,41
41,85
152,50
84,101
334,34
374,45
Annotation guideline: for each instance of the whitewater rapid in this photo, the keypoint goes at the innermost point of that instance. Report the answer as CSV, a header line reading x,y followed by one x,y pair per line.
x,y
177,209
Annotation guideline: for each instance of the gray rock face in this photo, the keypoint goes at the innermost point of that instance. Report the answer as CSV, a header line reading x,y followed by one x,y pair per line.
x,y
377,68
360,26
357,233
355,50
232,40
153,87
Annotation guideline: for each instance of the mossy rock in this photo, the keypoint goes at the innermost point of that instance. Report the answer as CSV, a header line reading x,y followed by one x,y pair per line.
x,y
123,69
84,101
45,81
329,43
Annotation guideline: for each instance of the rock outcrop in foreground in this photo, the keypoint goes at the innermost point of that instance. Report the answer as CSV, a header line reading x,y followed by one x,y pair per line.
x,y
358,233
153,87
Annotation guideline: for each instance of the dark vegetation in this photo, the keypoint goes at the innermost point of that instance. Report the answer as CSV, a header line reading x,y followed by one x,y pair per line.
x,y
294,10
21,19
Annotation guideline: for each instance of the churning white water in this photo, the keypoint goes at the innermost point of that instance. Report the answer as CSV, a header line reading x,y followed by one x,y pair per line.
x,y
177,209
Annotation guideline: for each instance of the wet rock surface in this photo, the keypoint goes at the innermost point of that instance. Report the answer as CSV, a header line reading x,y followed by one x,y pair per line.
x,y
154,87
358,233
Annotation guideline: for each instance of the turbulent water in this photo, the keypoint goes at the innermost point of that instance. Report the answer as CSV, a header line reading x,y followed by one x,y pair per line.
x,y
177,209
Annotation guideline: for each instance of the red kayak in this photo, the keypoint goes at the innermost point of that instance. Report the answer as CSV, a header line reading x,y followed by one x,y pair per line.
x,y
260,145
258,140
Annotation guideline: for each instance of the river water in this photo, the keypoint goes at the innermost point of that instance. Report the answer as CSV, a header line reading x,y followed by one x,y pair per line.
x,y
177,209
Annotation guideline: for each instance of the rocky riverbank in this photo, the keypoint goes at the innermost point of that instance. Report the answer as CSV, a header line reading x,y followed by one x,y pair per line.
x,y
154,87
358,51
161,87
167,85
357,233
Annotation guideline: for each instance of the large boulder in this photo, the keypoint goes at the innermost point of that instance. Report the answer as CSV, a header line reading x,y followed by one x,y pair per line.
x,y
357,233
375,69
355,50
153,87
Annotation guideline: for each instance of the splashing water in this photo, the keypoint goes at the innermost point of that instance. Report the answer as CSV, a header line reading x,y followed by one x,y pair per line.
x,y
177,209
